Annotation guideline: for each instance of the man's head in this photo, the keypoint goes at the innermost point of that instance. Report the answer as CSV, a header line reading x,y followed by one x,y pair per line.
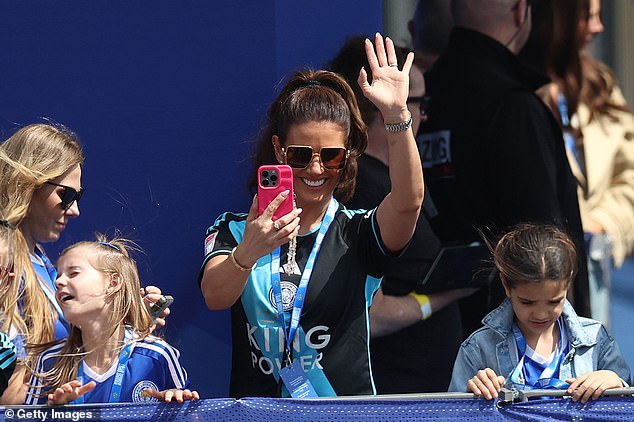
x,y
506,21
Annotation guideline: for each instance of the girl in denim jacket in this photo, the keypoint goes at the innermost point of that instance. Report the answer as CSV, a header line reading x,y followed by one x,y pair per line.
x,y
534,339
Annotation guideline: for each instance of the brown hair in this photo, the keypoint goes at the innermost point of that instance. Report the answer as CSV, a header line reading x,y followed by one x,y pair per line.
x,y
314,96
598,85
553,46
532,253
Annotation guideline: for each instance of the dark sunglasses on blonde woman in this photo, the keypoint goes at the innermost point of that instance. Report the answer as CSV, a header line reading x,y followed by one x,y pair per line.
x,y
69,196
299,157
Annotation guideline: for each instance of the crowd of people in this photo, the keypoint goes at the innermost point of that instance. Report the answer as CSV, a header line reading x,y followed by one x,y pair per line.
x,y
486,137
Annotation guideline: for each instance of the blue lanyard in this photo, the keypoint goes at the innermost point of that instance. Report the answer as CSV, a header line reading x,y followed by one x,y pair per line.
x,y
48,292
547,378
298,304
569,139
117,383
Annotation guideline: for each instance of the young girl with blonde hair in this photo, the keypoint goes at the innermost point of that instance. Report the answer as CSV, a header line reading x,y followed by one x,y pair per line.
x,y
109,355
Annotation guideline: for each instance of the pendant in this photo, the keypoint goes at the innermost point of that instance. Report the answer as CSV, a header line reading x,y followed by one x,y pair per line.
x,y
291,268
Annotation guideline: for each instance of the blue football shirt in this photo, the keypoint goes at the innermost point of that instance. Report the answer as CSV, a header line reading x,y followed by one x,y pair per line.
x,y
152,364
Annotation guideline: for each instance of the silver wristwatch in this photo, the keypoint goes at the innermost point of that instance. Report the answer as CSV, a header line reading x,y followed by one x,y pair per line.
x,y
399,127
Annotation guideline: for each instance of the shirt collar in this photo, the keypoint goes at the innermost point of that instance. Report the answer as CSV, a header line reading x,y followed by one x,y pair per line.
x,y
486,48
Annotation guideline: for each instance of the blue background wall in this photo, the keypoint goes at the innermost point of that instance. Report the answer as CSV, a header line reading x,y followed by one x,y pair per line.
x,y
166,97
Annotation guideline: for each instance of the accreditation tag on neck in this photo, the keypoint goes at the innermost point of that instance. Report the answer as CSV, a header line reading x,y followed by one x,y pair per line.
x,y
296,382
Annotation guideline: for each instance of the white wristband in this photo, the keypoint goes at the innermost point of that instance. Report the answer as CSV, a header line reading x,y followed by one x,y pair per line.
x,y
425,310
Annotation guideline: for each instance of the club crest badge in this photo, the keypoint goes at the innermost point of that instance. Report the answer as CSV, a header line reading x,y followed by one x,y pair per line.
x,y
288,295
140,394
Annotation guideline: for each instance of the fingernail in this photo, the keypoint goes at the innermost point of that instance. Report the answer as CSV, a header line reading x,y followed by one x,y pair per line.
x,y
299,210
285,193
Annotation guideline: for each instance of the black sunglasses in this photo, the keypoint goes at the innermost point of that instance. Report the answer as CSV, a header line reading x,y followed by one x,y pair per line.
x,y
69,196
299,157
423,103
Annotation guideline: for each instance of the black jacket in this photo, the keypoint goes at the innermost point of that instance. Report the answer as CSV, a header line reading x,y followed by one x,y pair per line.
x,y
494,155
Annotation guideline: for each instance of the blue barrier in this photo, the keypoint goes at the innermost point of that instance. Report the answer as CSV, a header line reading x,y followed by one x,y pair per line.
x,y
332,410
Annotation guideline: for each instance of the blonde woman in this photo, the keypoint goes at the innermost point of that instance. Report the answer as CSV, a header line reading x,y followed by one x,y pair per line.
x,y
8,355
40,169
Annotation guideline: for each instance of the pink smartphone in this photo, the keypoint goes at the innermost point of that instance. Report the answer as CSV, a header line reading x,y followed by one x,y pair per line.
x,y
273,179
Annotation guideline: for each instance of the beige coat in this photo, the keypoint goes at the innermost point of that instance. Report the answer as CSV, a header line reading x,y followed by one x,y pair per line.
x,y
607,194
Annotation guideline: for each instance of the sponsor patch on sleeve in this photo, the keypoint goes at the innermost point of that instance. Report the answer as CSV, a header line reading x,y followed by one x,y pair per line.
x,y
210,240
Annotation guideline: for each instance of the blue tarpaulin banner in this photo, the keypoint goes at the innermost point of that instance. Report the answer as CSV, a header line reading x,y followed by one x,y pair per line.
x,y
283,410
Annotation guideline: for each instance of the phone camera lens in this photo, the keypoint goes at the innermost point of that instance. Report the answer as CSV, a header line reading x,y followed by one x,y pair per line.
x,y
265,182
274,178
265,173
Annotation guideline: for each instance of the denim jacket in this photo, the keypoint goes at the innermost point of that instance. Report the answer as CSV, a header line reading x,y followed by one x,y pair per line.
x,y
493,346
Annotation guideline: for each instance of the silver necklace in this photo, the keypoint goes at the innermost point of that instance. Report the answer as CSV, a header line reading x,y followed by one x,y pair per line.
x,y
291,266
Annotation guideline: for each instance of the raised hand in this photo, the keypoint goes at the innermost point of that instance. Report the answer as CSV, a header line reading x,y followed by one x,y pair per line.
x,y
389,87
151,295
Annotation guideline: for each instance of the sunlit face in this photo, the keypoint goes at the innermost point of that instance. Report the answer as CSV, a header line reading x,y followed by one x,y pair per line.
x,y
314,185
46,218
417,91
537,306
593,26
82,290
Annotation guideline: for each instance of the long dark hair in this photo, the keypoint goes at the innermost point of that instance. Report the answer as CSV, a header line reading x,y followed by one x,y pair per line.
x,y
314,96
553,46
